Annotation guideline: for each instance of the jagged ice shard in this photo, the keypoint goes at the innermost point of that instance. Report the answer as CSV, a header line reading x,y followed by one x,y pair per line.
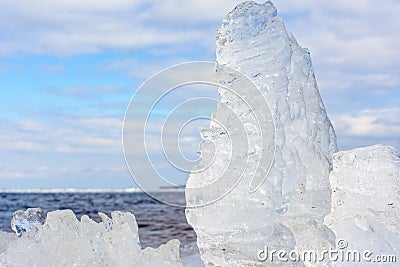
x,y
270,174
287,210
62,240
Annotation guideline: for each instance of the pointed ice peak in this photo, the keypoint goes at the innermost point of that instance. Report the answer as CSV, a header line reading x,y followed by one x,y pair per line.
x,y
249,15
247,21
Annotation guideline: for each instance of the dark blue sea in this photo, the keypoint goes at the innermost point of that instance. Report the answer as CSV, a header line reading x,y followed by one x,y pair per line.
x,y
158,222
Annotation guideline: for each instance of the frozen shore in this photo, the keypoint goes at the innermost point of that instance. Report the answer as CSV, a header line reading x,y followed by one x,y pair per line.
x,y
365,213
313,199
65,241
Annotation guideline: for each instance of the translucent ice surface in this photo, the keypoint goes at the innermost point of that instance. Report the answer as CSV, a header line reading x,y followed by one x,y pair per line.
x,y
288,210
64,241
25,221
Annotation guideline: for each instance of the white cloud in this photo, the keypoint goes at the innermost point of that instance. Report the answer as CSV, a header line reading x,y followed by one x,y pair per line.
x,y
346,37
378,125
86,92
31,125
61,150
75,27
362,33
67,147
14,175
138,69
81,135
374,123
24,172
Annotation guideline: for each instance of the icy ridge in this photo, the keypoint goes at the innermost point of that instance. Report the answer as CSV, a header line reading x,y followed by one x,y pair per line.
x,y
64,241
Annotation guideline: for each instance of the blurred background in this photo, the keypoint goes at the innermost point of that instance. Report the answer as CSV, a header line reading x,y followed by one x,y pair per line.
x,y
68,70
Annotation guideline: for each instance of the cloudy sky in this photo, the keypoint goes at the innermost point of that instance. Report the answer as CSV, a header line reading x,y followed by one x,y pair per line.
x,y
69,68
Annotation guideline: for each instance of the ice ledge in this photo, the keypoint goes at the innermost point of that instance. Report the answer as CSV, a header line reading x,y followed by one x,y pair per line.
x,y
365,206
65,241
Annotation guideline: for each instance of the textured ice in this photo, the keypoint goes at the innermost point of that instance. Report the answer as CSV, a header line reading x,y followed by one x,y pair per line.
x,y
366,199
5,239
25,221
358,200
288,210
64,241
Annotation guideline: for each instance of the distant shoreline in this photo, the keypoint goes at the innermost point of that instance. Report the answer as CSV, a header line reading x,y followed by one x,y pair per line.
x,y
92,190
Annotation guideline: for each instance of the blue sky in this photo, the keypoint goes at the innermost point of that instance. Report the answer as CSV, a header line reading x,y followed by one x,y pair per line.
x,y
69,68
